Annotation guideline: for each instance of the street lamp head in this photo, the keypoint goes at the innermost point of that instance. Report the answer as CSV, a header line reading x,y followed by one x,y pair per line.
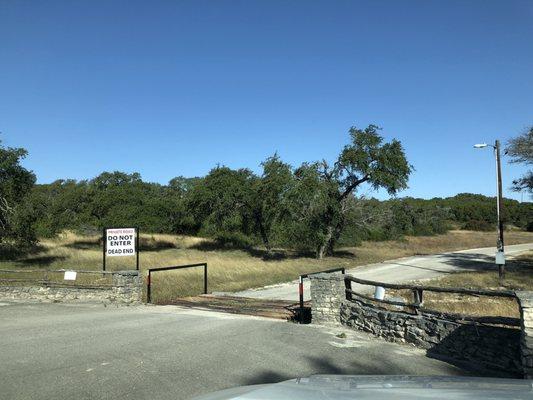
x,y
480,145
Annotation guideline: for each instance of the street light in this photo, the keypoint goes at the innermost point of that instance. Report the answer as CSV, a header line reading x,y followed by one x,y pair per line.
x,y
500,255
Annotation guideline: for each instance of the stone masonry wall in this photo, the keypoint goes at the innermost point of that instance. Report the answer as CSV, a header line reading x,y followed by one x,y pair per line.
x,y
504,349
485,346
327,291
525,299
126,289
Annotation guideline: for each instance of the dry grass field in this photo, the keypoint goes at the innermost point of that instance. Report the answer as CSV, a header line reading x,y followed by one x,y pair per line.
x,y
462,304
234,269
519,276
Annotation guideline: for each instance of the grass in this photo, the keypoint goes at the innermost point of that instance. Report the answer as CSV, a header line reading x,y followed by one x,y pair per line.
x,y
519,276
234,269
462,304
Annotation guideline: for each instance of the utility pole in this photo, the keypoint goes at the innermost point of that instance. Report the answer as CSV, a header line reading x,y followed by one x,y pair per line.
x,y
500,255
499,201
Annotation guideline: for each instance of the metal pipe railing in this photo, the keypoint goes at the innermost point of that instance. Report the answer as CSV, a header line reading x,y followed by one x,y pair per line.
x,y
158,269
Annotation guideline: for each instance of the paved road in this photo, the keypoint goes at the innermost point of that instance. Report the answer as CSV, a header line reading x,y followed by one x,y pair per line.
x,y
60,351
400,270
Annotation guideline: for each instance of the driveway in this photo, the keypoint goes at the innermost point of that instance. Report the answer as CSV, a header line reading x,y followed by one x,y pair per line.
x,y
400,270
61,351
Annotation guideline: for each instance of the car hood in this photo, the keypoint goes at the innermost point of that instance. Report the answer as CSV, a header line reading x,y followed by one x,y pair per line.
x,y
340,387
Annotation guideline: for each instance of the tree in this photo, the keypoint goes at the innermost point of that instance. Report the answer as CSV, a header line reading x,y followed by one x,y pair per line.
x,y
16,182
366,219
62,204
223,204
177,193
269,190
365,159
521,151
180,185
306,208
115,198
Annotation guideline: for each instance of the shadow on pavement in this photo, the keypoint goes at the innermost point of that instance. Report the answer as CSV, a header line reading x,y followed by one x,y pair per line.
x,y
382,365
467,262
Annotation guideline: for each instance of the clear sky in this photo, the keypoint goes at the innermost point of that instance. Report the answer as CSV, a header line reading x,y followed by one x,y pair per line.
x,y
174,87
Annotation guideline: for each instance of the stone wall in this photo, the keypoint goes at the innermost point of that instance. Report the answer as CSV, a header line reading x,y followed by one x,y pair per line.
x,y
327,292
126,289
483,346
508,350
525,299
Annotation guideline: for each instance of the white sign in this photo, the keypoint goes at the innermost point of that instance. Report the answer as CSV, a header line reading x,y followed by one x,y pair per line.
x,y
70,276
500,258
120,242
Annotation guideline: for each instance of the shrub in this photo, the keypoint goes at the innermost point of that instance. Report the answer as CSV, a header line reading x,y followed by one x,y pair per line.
x,y
234,240
478,225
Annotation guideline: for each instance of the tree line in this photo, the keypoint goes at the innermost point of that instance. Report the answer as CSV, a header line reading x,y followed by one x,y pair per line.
x,y
312,207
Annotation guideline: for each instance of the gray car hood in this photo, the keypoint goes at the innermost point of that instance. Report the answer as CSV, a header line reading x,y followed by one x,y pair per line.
x,y
340,387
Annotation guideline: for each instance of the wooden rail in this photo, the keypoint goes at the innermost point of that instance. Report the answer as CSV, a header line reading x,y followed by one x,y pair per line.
x,y
418,304
473,292
391,302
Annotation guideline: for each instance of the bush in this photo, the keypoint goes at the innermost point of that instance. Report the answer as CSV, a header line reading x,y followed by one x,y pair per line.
x,y
478,225
379,234
234,240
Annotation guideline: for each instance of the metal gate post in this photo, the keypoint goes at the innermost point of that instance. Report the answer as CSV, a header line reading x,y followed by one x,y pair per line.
x,y
205,278
148,288
301,293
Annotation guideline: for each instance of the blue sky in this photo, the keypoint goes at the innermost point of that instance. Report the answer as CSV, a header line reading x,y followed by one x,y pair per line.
x,y
171,88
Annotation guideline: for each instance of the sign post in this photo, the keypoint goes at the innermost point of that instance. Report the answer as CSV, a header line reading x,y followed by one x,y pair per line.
x,y
104,241
121,242
137,248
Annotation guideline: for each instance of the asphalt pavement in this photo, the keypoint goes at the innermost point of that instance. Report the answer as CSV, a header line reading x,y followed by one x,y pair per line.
x,y
401,270
75,351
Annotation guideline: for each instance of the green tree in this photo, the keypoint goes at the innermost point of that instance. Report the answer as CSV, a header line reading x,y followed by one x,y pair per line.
x,y
62,204
177,193
223,204
521,151
16,212
304,209
365,159
115,198
274,183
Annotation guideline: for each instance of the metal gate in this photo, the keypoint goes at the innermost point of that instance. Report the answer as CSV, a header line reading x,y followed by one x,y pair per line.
x,y
159,269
